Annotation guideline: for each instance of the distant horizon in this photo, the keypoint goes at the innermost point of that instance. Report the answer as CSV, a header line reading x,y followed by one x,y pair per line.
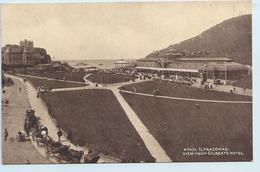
x,y
125,30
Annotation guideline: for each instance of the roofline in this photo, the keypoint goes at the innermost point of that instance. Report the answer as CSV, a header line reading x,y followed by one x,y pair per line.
x,y
168,69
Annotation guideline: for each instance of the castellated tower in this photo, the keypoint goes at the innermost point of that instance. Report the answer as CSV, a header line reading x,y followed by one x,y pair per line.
x,y
26,44
25,55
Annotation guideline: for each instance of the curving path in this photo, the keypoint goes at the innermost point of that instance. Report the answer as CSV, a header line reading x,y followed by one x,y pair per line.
x,y
188,99
41,110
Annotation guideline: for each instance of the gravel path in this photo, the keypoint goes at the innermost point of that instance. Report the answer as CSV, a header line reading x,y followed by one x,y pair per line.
x,y
13,119
150,142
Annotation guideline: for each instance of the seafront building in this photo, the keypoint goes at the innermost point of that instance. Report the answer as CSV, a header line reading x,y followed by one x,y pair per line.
x,y
24,54
193,64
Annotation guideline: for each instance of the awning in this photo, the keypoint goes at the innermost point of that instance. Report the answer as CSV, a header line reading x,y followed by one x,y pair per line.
x,y
168,69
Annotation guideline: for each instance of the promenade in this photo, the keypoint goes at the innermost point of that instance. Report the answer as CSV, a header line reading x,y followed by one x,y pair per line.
x,y
13,119
41,111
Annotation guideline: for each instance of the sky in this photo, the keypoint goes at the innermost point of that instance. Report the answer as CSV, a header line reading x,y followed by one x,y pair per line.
x,y
112,30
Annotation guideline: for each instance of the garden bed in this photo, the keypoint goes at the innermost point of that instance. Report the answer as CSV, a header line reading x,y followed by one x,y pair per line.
x,y
104,78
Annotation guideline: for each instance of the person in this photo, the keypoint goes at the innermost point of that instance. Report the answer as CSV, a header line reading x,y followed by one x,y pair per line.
x,y
59,133
231,89
157,92
20,89
154,92
244,89
210,85
33,134
5,134
26,127
21,136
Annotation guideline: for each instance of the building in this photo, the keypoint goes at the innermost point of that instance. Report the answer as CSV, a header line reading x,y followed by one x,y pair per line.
x,y
192,65
24,54
122,63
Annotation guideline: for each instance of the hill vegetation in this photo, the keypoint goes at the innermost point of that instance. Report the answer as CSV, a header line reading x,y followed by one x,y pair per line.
x,y
232,38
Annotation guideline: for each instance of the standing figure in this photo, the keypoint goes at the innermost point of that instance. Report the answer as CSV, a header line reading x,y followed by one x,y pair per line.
x,y
244,89
59,133
154,92
5,134
26,127
157,92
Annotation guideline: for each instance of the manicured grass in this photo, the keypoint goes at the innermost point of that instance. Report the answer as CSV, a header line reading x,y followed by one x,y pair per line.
x,y
70,76
36,82
96,118
104,78
184,91
180,124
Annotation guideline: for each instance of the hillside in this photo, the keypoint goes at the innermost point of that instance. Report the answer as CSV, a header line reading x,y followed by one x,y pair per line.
x,y
232,38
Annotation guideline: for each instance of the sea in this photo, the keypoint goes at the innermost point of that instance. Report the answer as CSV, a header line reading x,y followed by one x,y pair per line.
x,y
100,63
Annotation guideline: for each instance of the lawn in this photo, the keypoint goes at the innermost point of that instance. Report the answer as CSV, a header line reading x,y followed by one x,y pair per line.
x,y
36,82
96,118
104,78
180,124
70,76
184,91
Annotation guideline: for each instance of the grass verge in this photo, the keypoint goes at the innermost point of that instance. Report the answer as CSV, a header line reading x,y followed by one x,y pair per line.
x,y
36,82
183,91
95,118
180,124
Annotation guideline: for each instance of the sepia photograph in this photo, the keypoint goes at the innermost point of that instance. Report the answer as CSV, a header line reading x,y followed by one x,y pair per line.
x,y
126,82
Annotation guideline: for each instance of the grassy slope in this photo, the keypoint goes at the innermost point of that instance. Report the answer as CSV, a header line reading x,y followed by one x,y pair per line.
x,y
179,124
71,76
232,38
96,118
108,78
180,90
52,84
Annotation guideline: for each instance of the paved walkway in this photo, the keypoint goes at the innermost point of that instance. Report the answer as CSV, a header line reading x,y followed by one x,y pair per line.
x,y
187,99
41,111
226,88
150,142
13,119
